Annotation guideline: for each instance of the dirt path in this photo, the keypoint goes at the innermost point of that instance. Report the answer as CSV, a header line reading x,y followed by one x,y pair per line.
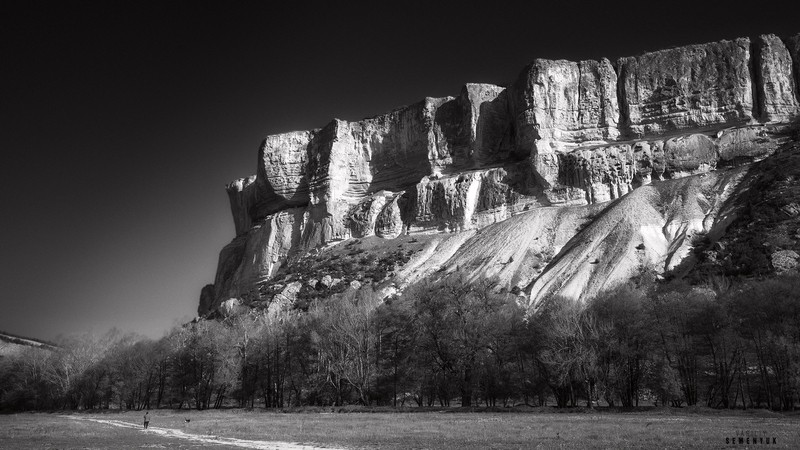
x,y
205,438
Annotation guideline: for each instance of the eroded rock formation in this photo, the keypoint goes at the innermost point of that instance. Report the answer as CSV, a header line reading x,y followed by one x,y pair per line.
x,y
564,134
688,87
777,93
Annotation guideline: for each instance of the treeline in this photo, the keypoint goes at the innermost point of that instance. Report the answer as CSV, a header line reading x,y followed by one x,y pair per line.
x,y
445,343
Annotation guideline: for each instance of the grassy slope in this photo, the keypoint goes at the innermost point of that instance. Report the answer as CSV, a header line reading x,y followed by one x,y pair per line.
x,y
651,227
8,337
12,344
516,250
370,260
757,225
542,428
513,251
571,251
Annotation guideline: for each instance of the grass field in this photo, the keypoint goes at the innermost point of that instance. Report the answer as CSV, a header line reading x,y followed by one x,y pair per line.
x,y
539,428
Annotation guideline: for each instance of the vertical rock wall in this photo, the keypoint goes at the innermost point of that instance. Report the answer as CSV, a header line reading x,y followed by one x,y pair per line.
x,y
560,104
687,87
793,45
281,180
242,195
777,93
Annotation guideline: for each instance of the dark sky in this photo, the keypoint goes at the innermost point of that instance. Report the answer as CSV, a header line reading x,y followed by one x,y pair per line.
x,y
121,122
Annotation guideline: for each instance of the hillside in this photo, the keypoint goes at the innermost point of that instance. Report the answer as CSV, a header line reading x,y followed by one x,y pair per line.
x,y
576,177
652,228
762,233
11,344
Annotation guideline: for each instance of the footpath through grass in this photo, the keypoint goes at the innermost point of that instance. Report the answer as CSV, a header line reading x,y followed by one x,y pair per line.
x,y
54,431
539,428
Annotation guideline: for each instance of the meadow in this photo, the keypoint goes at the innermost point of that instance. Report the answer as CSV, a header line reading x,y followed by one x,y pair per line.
x,y
436,429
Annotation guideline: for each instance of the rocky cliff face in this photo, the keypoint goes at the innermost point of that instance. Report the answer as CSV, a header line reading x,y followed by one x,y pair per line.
x,y
564,134
776,89
688,87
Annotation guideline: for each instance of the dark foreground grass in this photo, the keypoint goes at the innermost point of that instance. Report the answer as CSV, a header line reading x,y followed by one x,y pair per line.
x,y
541,428
53,431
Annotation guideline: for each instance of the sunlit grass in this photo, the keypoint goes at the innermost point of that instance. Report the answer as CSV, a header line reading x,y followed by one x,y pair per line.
x,y
542,428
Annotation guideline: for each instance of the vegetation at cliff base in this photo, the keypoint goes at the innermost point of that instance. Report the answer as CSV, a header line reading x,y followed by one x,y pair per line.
x,y
441,344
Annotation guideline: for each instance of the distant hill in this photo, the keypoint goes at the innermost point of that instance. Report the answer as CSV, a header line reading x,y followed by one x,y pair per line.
x,y
11,344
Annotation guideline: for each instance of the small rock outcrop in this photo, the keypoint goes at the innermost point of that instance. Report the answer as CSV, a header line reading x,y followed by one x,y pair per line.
x,y
207,299
785,260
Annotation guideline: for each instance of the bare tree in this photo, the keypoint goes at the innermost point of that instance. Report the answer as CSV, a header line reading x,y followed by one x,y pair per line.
x,y
569,349
344,333
457,321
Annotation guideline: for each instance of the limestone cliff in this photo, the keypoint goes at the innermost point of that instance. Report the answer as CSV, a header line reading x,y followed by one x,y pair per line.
x,y
689,87
563,135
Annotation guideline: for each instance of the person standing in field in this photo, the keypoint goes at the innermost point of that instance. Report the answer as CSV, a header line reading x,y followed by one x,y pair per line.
x,y
146,419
